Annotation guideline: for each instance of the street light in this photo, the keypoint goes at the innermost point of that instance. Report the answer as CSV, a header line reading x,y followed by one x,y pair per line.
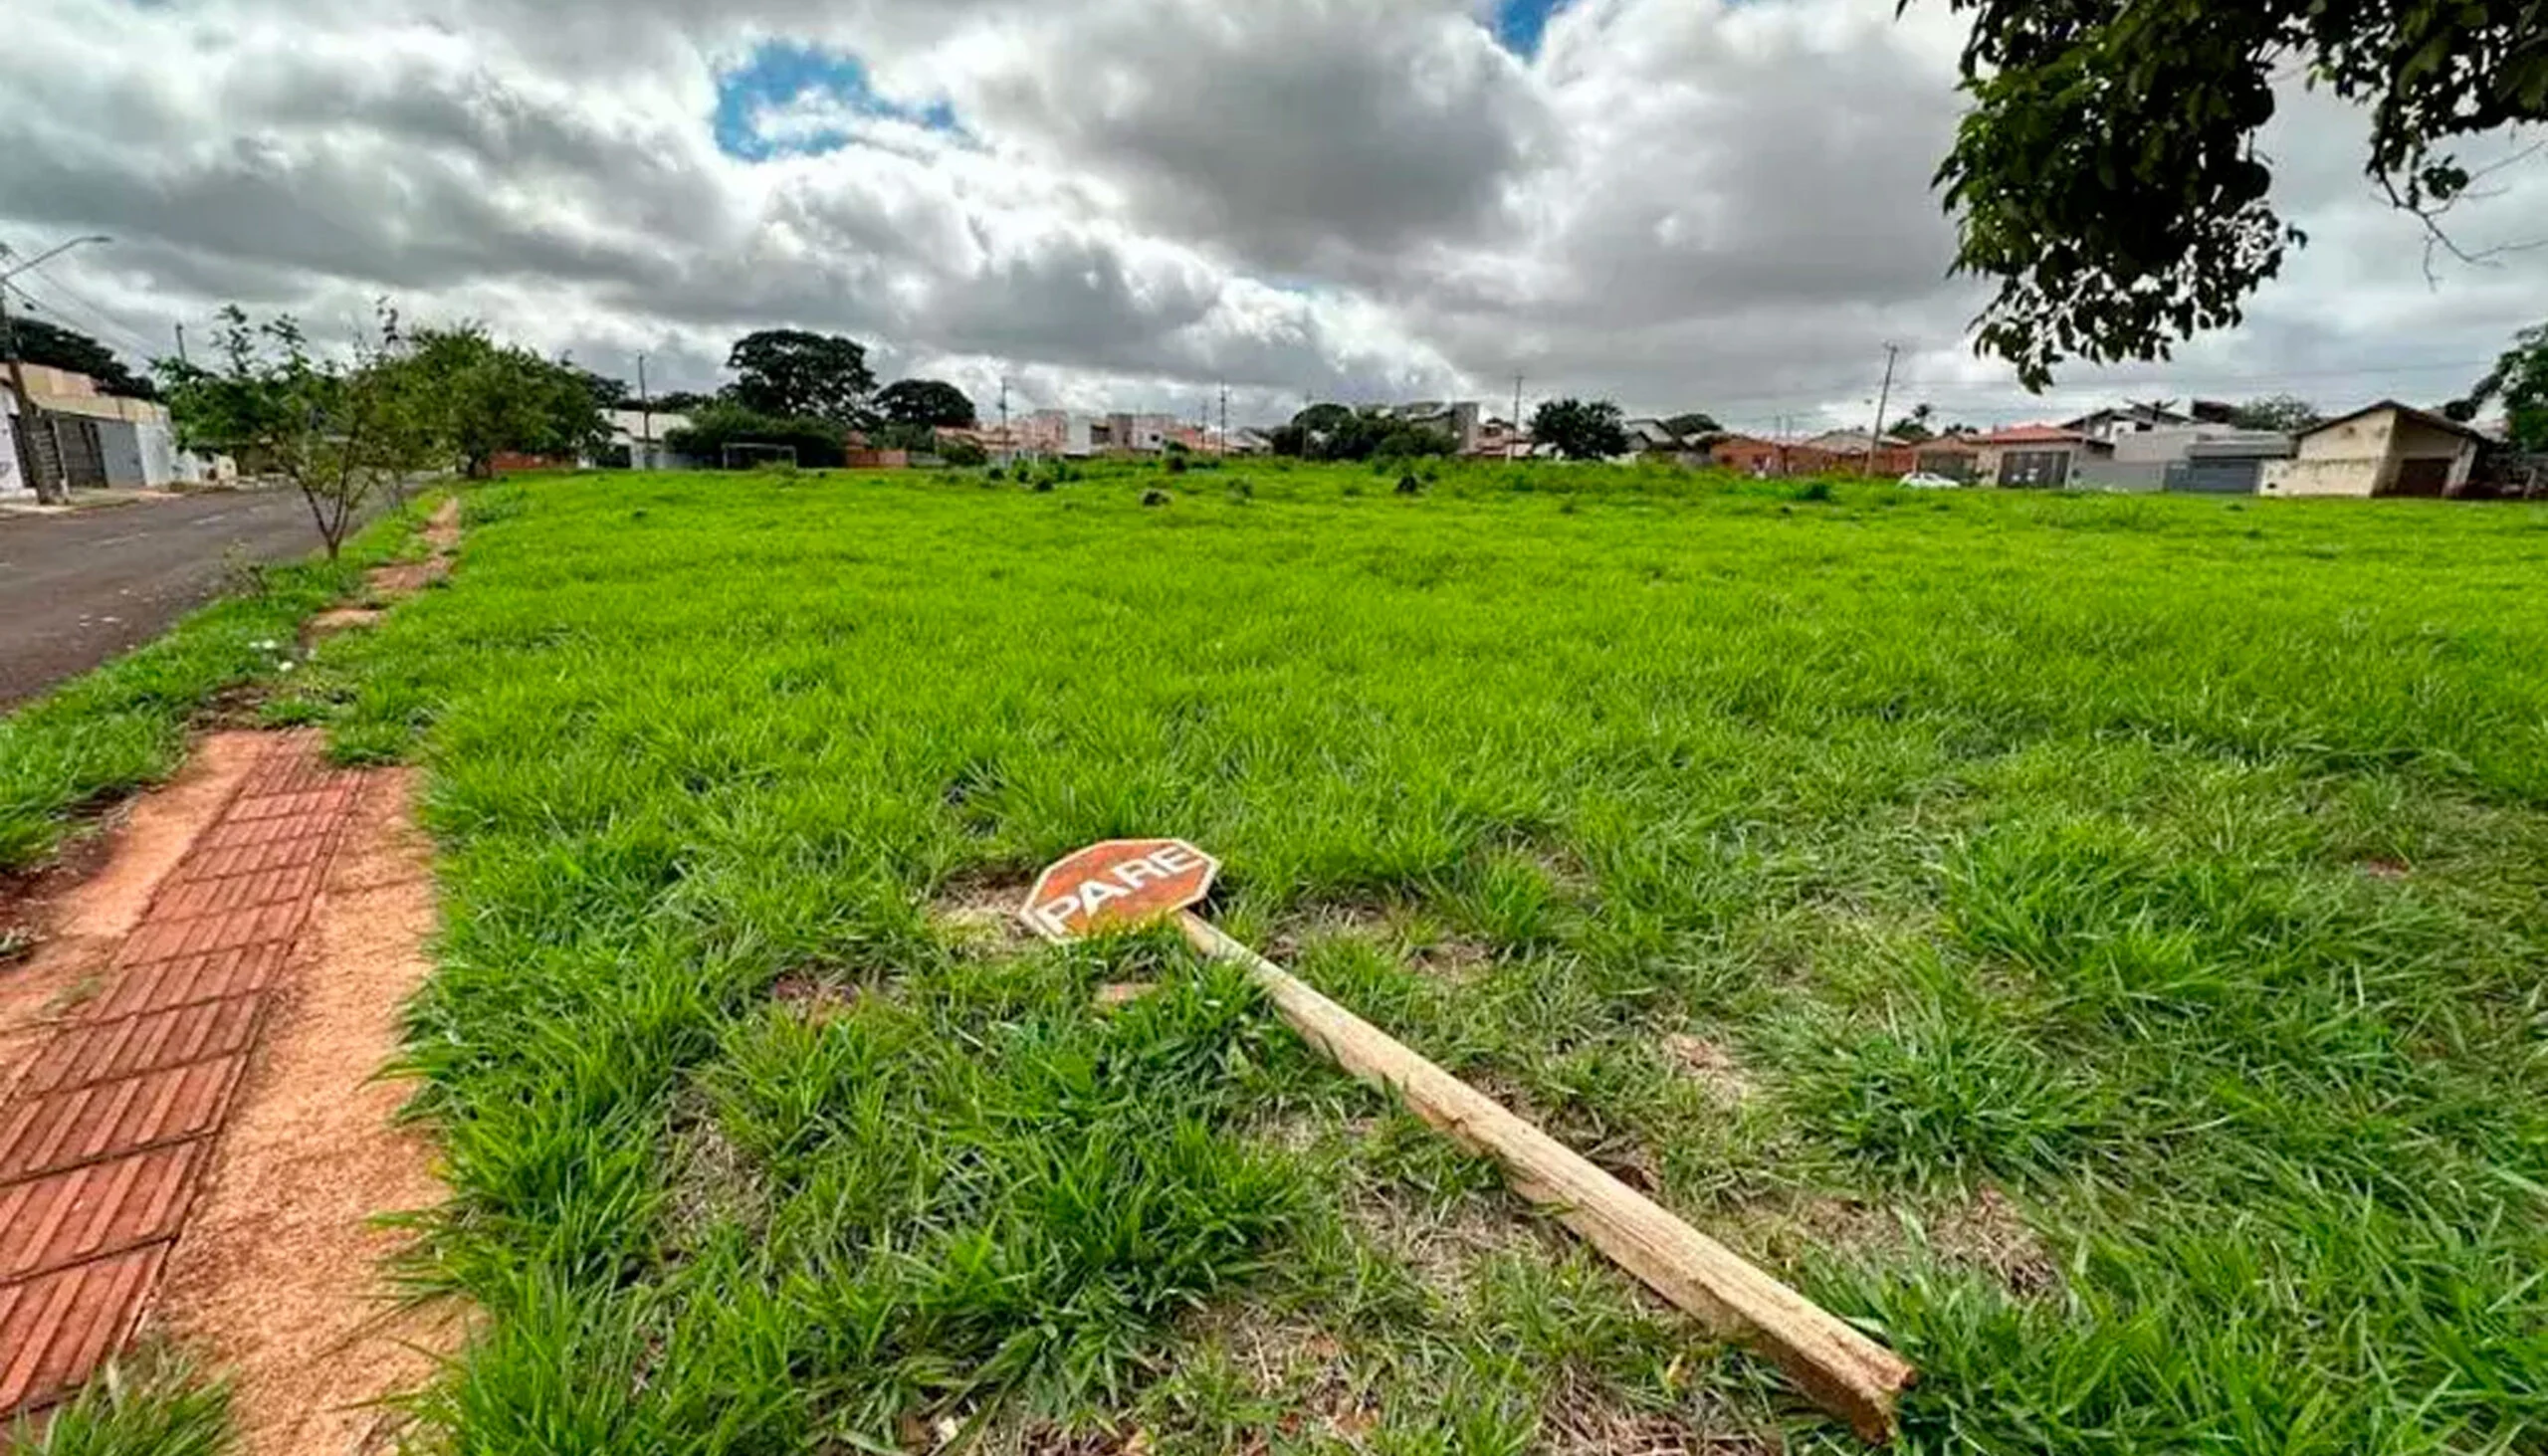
x,y
34,467
49,254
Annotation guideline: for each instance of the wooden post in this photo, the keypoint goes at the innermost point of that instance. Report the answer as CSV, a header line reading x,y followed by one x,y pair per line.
x,y
1844,1370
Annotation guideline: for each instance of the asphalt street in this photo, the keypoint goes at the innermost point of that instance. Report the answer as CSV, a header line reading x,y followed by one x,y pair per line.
x,y
77,589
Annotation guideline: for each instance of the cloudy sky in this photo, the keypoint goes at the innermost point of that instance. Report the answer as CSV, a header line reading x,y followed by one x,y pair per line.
x,y
1711,204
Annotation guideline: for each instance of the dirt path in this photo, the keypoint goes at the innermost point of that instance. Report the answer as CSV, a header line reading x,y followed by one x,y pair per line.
x,y
277,1279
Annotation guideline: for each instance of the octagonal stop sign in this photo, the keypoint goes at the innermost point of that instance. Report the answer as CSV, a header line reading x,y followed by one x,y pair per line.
x,y
1116,886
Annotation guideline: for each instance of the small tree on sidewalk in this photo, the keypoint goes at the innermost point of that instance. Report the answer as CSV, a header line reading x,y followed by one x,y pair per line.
x,y
340,432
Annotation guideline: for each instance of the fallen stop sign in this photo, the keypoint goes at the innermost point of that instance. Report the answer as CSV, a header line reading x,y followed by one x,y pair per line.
x,y
1116,886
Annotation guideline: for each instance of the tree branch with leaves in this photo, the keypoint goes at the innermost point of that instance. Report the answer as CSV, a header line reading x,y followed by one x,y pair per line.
x,y
2108,178
339,431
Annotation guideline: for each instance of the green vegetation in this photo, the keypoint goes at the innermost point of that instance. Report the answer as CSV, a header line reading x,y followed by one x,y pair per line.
x,y
1580,429
149,1406
110,732
2108,178
2093,939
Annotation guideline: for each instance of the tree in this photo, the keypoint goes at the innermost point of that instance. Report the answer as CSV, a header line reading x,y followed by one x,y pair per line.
x,y
928,402
340,432
608,393
1915,427
1693,424
2287,413
57,348
1580,429
680,402
1338,431
2107,176
2520,379
487,399
788,373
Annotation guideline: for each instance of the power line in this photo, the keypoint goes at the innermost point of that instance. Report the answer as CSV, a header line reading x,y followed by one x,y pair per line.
x,y
88,308
120,338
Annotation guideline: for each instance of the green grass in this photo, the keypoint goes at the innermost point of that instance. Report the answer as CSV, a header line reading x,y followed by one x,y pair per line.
x,y
2114,926
148,1405
123,725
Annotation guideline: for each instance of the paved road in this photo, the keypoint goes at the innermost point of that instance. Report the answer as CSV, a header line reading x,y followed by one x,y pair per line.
x,y
77,589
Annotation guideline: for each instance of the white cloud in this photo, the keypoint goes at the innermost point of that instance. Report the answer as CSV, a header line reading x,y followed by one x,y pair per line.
x,y
1679,203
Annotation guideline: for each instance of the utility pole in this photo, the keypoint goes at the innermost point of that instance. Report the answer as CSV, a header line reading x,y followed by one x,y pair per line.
x,y
645,418
1007,442
1225,418
1513,436
1883,397
181,345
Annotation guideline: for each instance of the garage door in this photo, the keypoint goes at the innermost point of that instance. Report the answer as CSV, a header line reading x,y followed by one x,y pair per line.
x,y
2215,477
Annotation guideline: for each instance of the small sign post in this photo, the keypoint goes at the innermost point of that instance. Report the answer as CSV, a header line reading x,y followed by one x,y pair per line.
x,y
1124,883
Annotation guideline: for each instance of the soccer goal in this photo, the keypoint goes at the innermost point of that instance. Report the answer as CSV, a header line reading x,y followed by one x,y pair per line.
x,y
740,456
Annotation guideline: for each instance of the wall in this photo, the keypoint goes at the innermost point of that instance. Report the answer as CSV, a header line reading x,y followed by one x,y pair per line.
x,y
2357,458
12,482
2325,474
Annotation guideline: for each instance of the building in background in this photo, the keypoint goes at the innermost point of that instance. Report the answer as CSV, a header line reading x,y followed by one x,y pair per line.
x,y
2383,448
2115,425
2039,456
1459,419
637,436
2226,461
101,441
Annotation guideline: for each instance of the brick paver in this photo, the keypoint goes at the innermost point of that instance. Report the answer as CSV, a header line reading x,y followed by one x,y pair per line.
x,y
106,1137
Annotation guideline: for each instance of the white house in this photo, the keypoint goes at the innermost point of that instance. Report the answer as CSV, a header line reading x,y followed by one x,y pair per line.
x,y
2383,448
641,433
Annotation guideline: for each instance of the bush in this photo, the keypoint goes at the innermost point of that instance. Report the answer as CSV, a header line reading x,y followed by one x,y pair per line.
x,y
963,454
1176,462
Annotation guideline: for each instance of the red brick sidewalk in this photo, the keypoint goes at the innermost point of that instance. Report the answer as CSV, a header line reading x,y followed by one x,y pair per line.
x,y
107,1136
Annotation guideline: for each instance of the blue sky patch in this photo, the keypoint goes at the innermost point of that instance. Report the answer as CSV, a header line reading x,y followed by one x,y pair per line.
x,y
1520,24
783,72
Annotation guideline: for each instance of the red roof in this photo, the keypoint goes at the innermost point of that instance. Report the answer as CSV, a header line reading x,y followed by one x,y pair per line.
x,y
2030,435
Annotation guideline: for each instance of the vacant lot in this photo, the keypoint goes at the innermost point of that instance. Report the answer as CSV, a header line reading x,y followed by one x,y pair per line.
x,y
2095,942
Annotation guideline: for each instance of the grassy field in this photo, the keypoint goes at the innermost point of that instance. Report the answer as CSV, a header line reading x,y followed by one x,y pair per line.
x,y
2094,941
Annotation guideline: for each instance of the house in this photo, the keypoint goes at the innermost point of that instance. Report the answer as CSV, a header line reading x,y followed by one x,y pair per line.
x,y
1954,457
2111,425
2383,448
1458,419
1750,454
2037,457
1858,452
2163,458
2226,461
638,435
1499,439
101,441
